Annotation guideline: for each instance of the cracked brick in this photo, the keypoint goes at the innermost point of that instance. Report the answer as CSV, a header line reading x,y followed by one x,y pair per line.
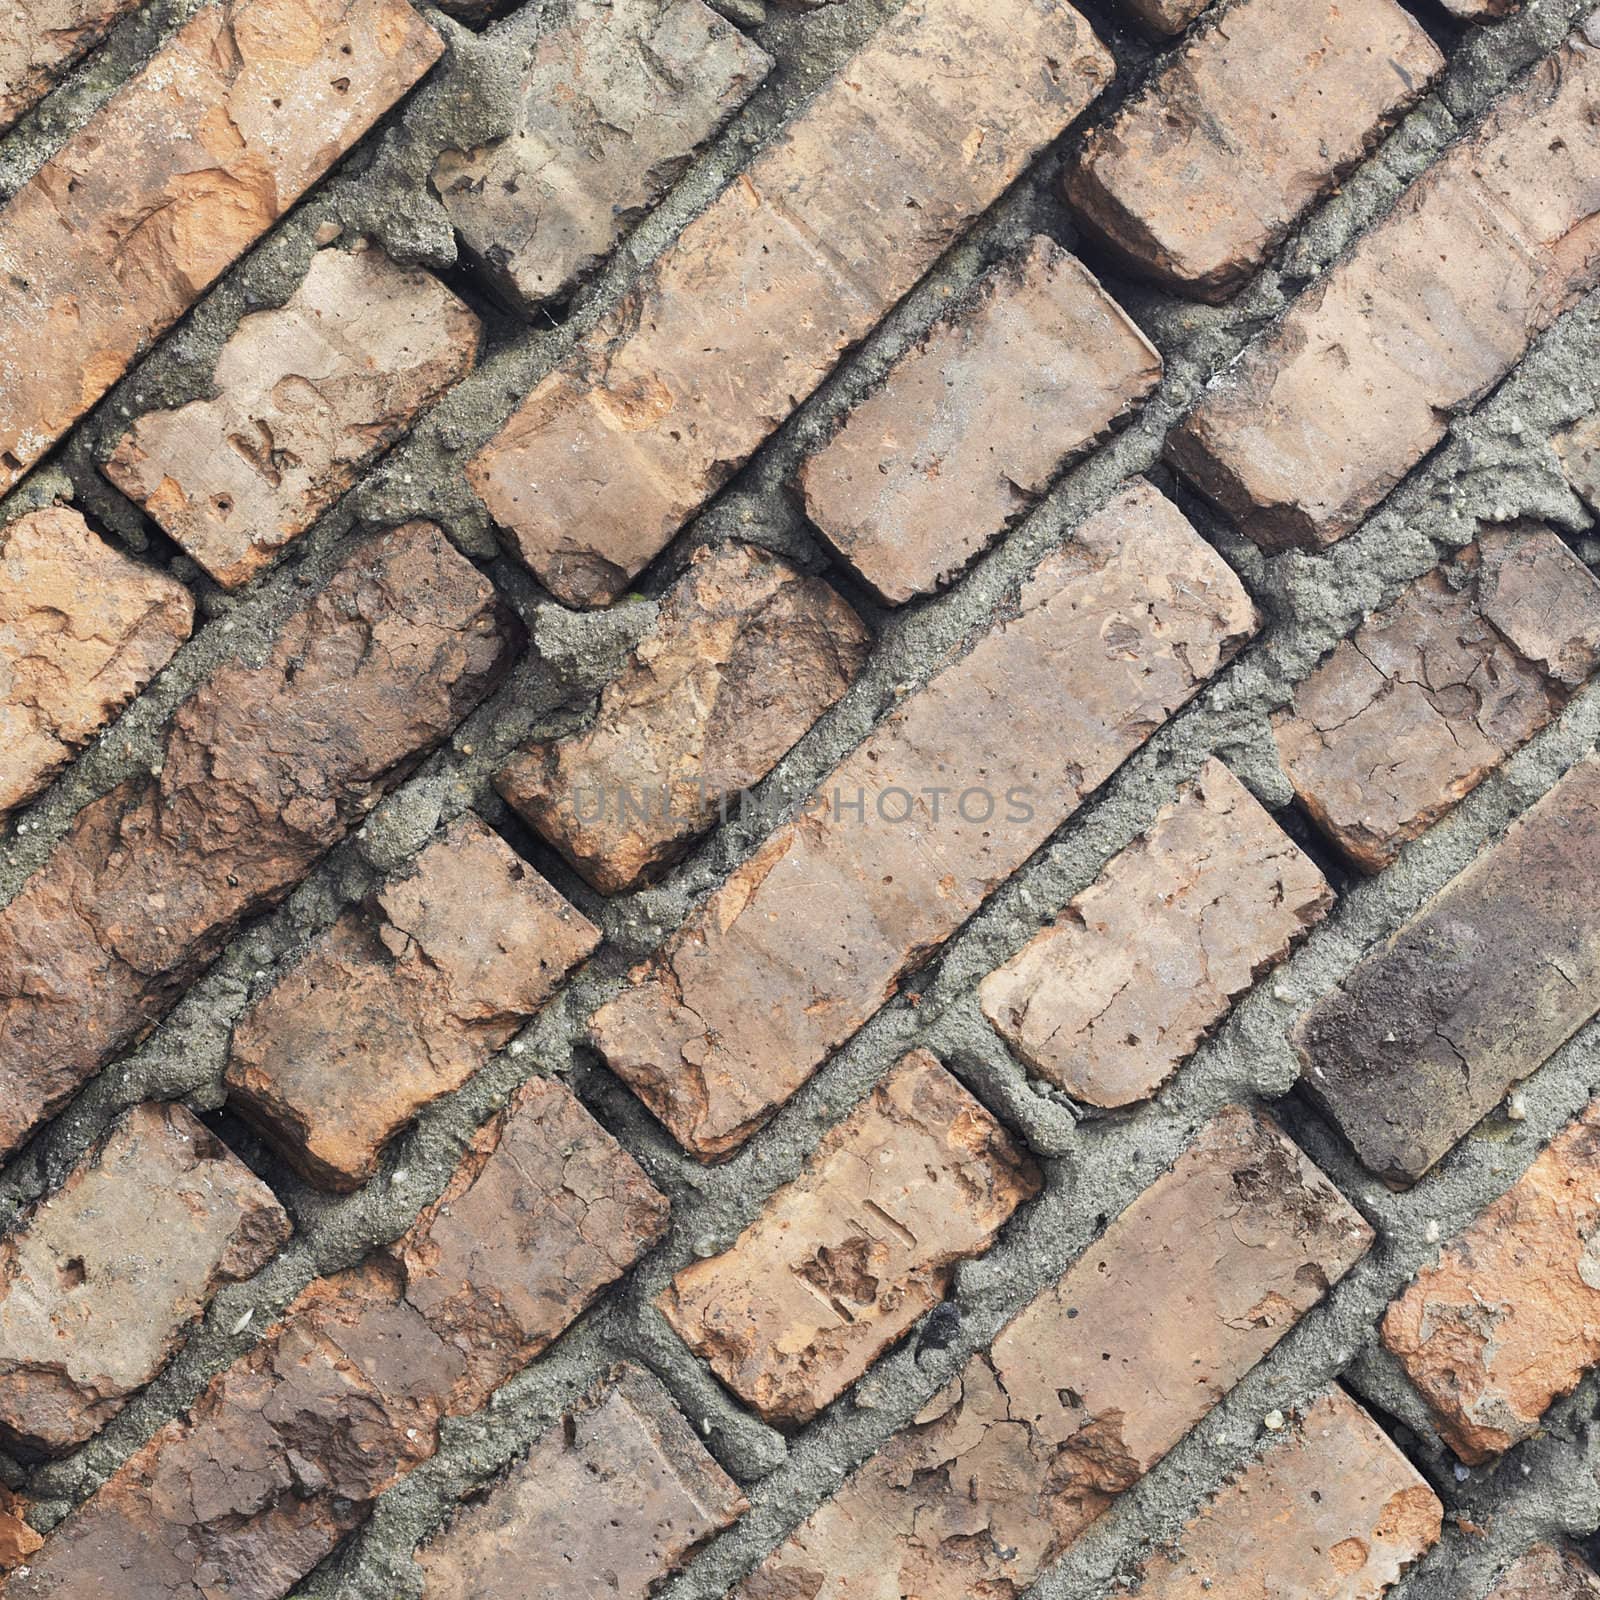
x,y
843,1261
262,771
1547,1573
746,654
1114,997
1478,990
794,262
400,1002
40,40
811,935
308,394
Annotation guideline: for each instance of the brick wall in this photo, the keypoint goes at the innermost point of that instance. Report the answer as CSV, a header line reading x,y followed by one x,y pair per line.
x,y
799,799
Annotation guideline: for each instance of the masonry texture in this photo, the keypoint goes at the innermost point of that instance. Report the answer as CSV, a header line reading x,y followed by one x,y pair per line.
x,y
799,799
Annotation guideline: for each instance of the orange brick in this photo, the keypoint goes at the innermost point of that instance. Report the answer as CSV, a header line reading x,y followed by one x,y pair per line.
x,y
1546,1573
39,42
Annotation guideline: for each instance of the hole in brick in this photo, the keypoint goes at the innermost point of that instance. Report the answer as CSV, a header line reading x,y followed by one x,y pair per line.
x,y
10,462
73,1273
342,85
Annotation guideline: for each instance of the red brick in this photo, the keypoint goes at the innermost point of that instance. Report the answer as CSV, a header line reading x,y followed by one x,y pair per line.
x,y
811,935
263,770
307,396
617,98
1323,416
1435,691
401,1002
1089,1386
39,42
745,655
972,425
82,630
1477,991
171,180
1332,1511
843,1261
286,1451
620,1488
793,263
1509,1318
1200,175
1113,998
1546,1573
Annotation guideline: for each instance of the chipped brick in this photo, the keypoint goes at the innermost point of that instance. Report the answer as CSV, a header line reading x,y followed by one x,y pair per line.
x,y
82,630
307,395
620,1486
1323,416
172,179
1427,1034
1089,1386
1200,175
811,935
1546,1573
1435,691
401,1002
39,42
1163,18
844,1260
619,95
971,426
795,261
1578,450
17,1540
1109,1001
263,770
745,655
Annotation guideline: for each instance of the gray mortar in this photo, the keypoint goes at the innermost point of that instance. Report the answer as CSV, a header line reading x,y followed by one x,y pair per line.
x,y
1496,466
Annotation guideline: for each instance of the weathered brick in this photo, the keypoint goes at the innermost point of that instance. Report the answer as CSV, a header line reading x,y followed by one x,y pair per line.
x,y
98,1281
1322,417
40,40
307,395
401,1002
1508,1320
1109,1001
1265,107
745,655
1479,10
263,770
1435,691
811,935
1332,1511
287,1449
1578,449
843,1261
617,98
1474,993
795,261
1162,18
173,178
1546,1573
1089,1386
82,630
17,1540
608,1502
970,427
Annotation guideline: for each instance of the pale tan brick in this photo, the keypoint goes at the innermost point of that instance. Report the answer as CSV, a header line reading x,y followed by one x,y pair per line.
x,y
1109,1001
795,261
812,934
1546,1573
39,42
971,426
843,1261
1578,449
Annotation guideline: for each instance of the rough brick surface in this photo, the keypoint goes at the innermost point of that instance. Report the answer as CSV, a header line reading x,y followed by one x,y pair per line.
x,y
970,427
1109,1001
1546,1573
1164,17
619,95
844,1260
1578,450
97,1283
1333,1512
17,1540
796,260
812,934
286,1450
82,630
746,654
1089,1386
1509,1318
307,395
1320,419
39,42
1201,174
401,1002
1473,994
607,1503
182,170
264,769
1435,691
